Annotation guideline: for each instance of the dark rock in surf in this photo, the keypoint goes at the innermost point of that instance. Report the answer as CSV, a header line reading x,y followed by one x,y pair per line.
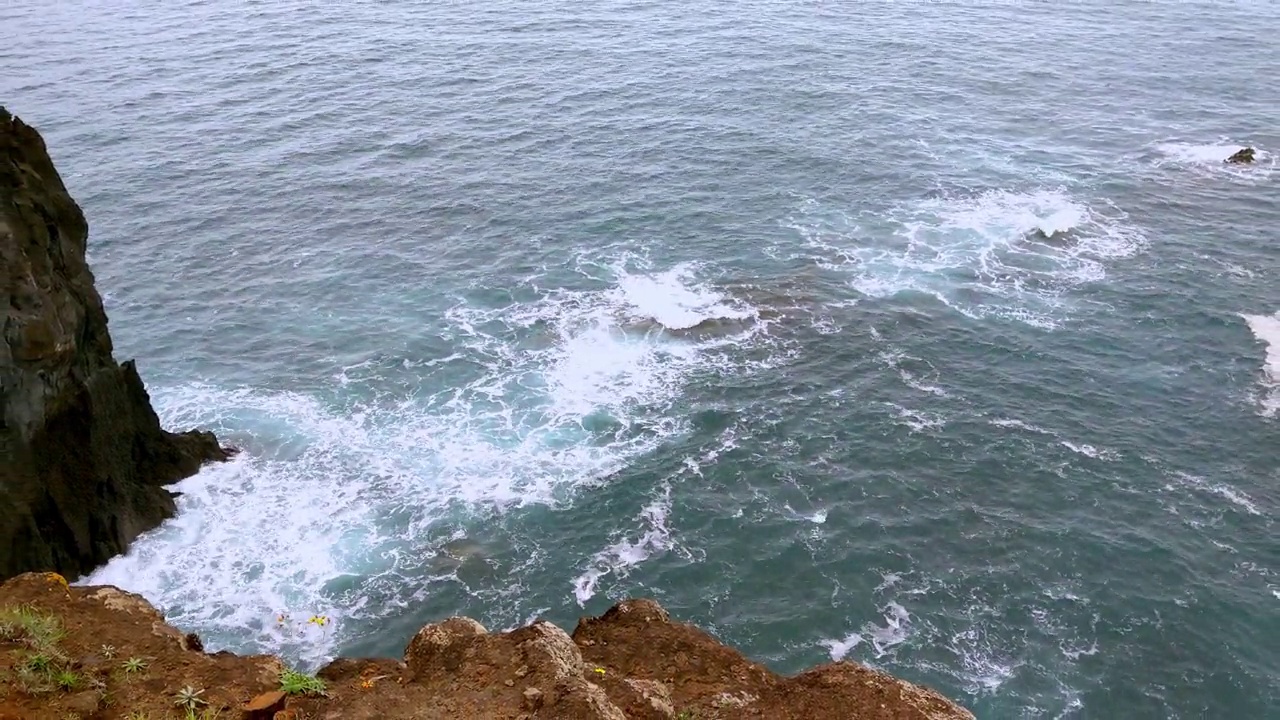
x,y
1243,156
83,459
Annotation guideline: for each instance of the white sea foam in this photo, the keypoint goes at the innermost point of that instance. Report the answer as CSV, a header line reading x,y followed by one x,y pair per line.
x,y
916,373
983,671
1005,254
619,558
1222,490
1089,451
329,506
1019,425
1210,158
674,301
883,638
916,420
839,649
1075,653
1266,328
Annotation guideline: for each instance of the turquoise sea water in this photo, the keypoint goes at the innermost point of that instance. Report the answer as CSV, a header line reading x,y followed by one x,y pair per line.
x,y
935,336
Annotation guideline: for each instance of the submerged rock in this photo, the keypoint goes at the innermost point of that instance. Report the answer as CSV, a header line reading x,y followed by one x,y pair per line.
x,y
83,459
1242,156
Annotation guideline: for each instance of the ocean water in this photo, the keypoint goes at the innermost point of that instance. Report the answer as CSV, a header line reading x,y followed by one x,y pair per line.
x,y
935,336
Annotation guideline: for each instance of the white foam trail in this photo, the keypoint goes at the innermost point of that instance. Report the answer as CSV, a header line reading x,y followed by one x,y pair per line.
x,y
982,673
330,509
1212,153
917,420
883,638
887,581
1089,450
1266,328
670,299
1005,254
1234,496
1075,653
1019,425
841,648
619,558
1210,158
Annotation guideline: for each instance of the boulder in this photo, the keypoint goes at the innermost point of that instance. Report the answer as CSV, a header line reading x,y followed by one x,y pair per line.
x,y
1243,156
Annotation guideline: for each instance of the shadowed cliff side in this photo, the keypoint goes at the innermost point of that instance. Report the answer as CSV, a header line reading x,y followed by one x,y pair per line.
x,y
82,455
111,655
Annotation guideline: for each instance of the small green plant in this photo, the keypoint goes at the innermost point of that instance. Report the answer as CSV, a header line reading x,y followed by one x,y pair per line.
x,y
687,715
134,665
293,682
189,698
38,663
108,651
39,630
67,679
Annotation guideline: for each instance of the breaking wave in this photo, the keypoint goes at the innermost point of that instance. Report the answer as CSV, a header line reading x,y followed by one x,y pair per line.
x,y
1005,254
1266,328
354,509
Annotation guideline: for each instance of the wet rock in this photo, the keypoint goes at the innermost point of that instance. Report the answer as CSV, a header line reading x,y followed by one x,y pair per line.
x,y
85,459
1242,156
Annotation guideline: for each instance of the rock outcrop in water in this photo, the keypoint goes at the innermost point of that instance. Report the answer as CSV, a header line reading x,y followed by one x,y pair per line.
x,y
82,455
1243,156
633,662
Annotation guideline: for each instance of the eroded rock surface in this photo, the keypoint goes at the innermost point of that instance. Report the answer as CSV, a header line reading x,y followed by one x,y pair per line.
x,y
82,455
632,663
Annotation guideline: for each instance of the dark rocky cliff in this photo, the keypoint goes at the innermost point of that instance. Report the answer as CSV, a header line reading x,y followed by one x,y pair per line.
x,y
82,455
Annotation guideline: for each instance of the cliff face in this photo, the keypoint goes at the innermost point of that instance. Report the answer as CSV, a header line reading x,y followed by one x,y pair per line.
x,y
82,454
632,663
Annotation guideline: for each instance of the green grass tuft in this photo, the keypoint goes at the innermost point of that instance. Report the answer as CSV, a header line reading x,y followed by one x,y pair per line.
x,y
67,679
293,682
40,631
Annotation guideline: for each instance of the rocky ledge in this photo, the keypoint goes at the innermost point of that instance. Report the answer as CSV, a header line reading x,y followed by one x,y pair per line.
x,y
83,459
101,653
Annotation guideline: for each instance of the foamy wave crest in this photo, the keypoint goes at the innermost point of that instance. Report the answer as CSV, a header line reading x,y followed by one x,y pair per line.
x,y
1005,254
356,508
1236,497
1266,328
672,301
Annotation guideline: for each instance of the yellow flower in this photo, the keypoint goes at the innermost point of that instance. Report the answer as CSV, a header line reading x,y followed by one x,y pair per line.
x,y
600,670
57,579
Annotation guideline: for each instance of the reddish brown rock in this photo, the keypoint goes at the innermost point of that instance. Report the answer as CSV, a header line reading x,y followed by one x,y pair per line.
x,y
265,706
633,663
